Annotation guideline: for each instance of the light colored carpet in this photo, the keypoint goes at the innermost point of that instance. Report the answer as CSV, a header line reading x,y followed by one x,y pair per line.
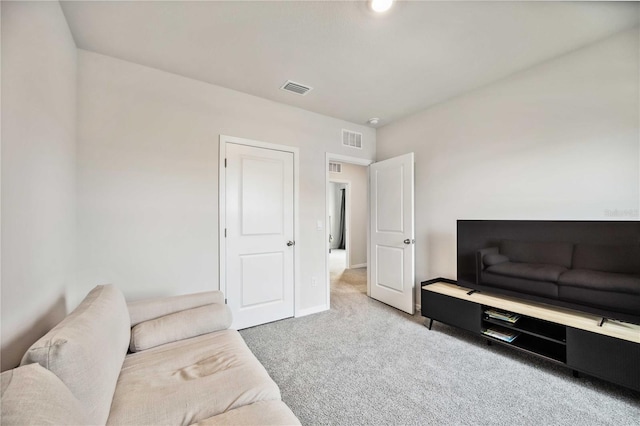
x,y
364,362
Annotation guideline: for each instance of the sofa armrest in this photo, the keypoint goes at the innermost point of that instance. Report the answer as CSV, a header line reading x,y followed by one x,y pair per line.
x,y
479,255
149,309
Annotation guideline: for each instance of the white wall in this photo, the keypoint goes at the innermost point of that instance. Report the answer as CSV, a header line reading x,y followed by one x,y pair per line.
x,y
558,141
38,171
148,176
359,208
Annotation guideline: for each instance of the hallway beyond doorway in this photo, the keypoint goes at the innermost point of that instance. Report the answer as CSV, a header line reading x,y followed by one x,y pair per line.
x,y
344,280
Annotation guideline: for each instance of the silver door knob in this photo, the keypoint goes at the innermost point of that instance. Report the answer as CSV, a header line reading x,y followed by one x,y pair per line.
x,y
291,243
408,241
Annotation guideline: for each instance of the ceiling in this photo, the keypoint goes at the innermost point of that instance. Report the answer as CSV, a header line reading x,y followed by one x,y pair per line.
x,y
360,64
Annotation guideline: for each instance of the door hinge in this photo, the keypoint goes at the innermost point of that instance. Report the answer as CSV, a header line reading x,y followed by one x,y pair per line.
x,y
225,163
225,300
225,232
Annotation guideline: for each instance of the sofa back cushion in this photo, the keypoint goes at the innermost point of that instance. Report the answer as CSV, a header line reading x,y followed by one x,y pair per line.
x,y
550,253
87,349
622,259
32,395
149,309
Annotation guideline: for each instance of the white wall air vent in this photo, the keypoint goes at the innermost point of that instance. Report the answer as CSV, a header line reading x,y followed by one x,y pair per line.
x,y
351,139
335,167
297,88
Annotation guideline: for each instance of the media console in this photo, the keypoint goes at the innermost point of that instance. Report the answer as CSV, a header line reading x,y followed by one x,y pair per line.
x,y
584,343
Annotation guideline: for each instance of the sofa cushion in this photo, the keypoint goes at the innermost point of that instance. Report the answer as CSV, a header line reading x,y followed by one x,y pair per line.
x,y
32,395
87,348
494,259
549,253
603,281
180,325
520,285
259,413
148,309
623,259
190,380
611,301
530,271
264,413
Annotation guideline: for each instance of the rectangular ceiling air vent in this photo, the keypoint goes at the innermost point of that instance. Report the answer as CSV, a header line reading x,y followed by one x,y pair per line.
x,y
297,88
351,139
335,167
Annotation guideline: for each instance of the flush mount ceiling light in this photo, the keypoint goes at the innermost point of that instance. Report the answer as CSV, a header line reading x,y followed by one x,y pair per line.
x,y
373,121
380,5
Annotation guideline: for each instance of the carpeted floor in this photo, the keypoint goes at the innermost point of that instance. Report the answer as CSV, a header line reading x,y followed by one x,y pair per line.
x,y
364,362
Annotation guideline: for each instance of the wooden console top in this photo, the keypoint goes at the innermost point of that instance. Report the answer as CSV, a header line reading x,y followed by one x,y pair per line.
x,y
568,317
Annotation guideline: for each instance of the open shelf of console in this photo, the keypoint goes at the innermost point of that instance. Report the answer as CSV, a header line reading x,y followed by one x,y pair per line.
x,y
534,335
535,327
609,351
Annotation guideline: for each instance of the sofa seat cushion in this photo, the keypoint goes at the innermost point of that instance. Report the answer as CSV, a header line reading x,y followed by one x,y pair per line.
x,y
264,413
87,348
529,271
601,281
184,382
611,301
520,285
33,395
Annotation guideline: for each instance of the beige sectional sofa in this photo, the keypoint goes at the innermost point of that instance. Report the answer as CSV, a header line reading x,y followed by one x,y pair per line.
x,y
169,361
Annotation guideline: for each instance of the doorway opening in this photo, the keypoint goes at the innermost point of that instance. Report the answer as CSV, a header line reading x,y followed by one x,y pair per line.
x,y
339,214
347,219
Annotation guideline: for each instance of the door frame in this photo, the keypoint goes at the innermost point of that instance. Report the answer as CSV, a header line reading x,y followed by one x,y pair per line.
x,y
358,162
347,218
222,187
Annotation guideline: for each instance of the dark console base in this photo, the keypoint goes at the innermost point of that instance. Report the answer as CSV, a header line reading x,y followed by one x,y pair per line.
x,y
574,340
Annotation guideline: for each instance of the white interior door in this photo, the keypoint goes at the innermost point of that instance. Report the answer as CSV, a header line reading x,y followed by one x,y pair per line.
x,y
260,247
392,232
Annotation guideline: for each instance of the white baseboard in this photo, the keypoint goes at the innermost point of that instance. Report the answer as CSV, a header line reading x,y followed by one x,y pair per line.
x,y
359,265
312,310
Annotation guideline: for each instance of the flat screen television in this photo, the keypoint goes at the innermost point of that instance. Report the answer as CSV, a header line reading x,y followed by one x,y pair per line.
x,y
590,266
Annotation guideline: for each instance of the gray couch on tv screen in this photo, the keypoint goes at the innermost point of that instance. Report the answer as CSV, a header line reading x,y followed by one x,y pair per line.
x,y
598,276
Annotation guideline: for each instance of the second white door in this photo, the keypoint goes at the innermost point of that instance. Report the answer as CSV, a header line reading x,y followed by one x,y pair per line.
x,y
260,246
392,232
